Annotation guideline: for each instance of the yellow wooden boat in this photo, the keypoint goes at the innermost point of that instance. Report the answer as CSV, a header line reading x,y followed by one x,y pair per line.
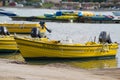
x,y
7,42
21,27
8,45
43,47
67,17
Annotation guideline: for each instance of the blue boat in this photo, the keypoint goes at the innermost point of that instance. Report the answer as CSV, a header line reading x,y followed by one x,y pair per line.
x,y
7,13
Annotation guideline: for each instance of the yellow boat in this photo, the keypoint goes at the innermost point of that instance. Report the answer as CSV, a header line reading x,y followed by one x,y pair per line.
x,y
86,14
8,45
43,47
67,17
7,42
21,27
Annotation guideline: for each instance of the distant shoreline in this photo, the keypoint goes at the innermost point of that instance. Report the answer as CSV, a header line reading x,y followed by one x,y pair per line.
x,y
28,7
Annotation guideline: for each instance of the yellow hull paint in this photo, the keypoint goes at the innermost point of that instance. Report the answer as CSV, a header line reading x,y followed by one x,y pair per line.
x,y
20,28
34,48
66,17
86,14
7,43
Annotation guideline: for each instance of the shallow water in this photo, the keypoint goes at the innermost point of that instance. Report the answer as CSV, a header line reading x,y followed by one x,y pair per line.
x,y
78,32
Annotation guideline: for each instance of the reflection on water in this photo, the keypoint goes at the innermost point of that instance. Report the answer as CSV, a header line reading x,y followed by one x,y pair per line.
x,y
110,62
13,56
96,64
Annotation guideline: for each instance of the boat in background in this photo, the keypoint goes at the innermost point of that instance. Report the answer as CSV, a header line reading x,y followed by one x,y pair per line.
x,y
117,15
7,13
35,47
7,42
59,16
21,27
71,16
86,14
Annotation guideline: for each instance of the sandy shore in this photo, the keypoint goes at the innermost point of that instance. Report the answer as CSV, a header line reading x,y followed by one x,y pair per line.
x,y
12,70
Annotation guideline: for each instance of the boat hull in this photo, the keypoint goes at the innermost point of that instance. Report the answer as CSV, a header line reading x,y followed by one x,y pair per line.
x,y
20,28
6,13
37,49
8,45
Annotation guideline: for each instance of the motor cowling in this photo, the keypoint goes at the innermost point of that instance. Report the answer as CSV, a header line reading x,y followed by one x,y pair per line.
x,y
109,39
35,32
104,37
4,31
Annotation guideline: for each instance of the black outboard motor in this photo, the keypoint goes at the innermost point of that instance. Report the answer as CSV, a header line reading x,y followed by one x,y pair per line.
x,y
35,33
104,37
4,31
109,39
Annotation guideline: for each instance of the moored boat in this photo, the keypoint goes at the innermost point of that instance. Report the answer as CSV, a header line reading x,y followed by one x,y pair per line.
x,y
21,27
7,13
32,48
59,16
7,42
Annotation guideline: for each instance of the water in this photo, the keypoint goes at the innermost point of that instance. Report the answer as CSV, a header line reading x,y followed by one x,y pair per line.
x,y
78,32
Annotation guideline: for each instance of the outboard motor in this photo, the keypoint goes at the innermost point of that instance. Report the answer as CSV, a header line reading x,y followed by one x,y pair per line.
x,y
109,39
35,33
4,31
104,37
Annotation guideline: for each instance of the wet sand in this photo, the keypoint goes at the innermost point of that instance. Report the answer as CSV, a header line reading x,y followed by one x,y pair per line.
x,y
14,70
113,72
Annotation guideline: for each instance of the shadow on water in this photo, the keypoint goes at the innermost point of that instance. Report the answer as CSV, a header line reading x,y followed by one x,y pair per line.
x,y
89,63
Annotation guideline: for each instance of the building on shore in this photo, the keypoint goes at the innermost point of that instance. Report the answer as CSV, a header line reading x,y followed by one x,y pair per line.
x,y
5,2
53,1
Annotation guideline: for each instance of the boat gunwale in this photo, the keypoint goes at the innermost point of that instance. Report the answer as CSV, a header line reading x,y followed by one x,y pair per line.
x,y
65,45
